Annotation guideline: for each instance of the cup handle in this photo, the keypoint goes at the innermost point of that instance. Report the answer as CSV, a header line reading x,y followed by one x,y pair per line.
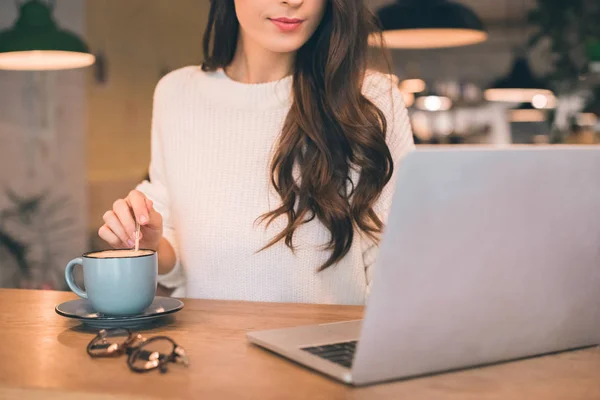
x,y
71,281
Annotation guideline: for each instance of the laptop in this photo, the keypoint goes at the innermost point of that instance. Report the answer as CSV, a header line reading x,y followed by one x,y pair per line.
x,y
489,255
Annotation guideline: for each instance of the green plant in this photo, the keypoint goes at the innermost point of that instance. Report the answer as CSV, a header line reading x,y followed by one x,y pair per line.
x,y
572,28
33,224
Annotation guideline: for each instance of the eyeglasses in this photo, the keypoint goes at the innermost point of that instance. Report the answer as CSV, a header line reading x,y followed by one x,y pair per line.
x,y
144,354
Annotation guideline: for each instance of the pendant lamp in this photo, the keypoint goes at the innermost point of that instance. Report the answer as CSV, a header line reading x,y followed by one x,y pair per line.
x,y
37,43
520,86
428,24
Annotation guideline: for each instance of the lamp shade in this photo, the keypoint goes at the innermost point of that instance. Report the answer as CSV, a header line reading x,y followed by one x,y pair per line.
x,y
520,86
36,42
425,24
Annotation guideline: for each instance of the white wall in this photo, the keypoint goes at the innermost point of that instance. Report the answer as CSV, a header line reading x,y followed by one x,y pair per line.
x,y
42,153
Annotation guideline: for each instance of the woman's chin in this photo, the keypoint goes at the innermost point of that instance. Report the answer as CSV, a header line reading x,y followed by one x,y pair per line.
x,y
285,45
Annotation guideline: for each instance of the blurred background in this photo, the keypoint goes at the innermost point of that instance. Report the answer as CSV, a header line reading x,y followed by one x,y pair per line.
x,y
75,126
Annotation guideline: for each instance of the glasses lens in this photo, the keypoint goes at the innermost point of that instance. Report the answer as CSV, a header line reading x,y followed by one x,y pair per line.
x,y
151,354
108,342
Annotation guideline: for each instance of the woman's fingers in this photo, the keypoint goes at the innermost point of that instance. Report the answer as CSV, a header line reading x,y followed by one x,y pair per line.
x,y
138,203
123,212
110,237
119,228
155,221
113,222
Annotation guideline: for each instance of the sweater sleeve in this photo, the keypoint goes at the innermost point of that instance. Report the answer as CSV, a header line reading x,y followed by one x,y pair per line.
x,y
156,189
384,93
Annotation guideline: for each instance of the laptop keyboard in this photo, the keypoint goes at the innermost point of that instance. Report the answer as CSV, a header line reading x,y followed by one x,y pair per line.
x,y
339,353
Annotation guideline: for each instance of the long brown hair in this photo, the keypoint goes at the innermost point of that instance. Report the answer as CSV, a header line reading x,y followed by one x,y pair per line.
x,y
330,128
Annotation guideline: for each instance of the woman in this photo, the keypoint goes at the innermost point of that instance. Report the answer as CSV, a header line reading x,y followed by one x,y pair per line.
x,y
271,170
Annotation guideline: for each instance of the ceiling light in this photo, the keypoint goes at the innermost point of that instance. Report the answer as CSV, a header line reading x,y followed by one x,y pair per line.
x,y
520,86
36,42
426,24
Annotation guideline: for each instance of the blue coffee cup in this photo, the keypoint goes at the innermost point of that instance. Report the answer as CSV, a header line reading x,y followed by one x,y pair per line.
x,y
117,282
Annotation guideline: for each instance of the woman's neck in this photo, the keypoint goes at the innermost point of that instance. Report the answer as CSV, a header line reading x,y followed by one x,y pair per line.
x,y
254,64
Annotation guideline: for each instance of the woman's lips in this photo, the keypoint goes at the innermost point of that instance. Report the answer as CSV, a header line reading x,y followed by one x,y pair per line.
x,y
286,24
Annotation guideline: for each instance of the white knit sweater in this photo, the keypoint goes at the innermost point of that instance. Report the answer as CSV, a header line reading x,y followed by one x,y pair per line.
x,y
212,143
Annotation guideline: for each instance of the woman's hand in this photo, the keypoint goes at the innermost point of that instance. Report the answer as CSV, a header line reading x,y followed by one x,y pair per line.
x,y
119,223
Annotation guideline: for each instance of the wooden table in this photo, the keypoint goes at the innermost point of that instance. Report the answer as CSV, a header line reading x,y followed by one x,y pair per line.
x,y
42,355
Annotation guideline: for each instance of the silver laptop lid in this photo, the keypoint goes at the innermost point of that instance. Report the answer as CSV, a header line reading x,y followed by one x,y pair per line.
x,y
488,255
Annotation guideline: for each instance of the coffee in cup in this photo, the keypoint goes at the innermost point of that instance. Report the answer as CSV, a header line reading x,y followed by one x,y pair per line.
x,y
117,282
119,253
